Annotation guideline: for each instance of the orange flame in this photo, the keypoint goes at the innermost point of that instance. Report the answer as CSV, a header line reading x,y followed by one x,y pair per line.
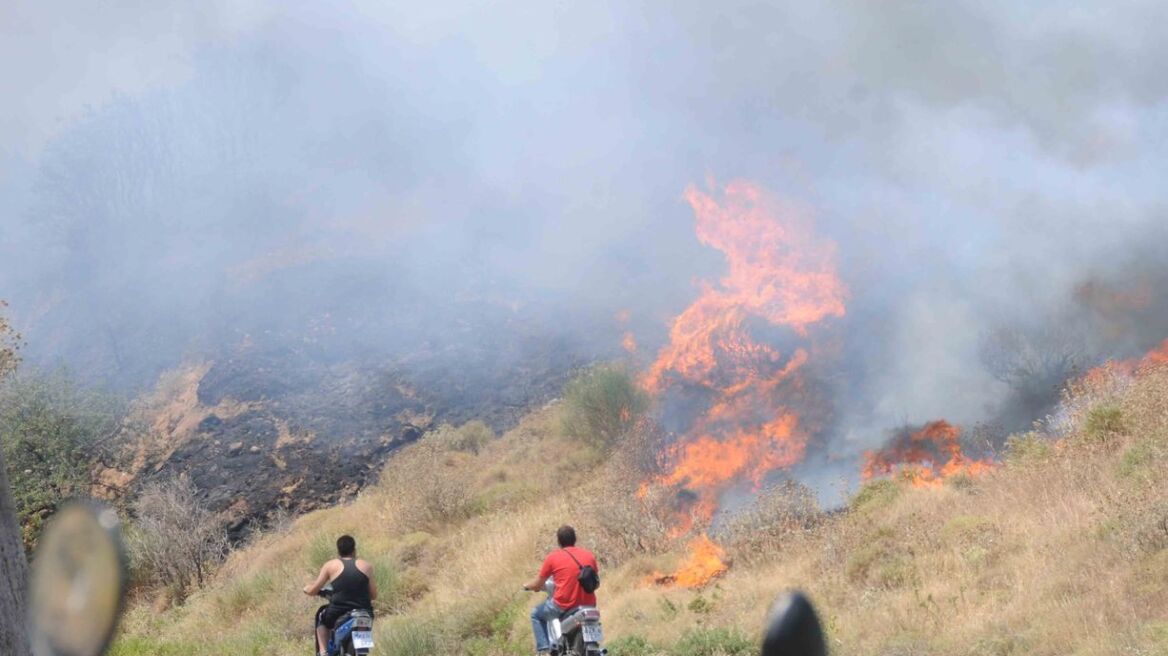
x,y
924,458
1157,357
778,274
629,342
705,562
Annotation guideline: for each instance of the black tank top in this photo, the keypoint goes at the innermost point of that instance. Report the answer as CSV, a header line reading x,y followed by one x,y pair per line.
x,y
351,588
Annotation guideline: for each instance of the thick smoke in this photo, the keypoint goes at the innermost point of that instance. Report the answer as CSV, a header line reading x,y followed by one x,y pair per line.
x,y
361,181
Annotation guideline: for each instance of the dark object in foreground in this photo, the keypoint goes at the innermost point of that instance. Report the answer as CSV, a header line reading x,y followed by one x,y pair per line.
x,y
794,629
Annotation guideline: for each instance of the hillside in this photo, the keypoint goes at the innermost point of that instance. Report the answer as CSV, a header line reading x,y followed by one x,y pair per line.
x,y
1060,549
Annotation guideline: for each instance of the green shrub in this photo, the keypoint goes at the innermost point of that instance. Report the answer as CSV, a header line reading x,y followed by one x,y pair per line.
x,y
392,594
408,638
1139,458
1104,422
484,617
322,549
602,404
243,595
507,494
138,646
1027,449
412,546
880,562
632,645
700,605
714,642
862,560
1152,533
875,494
470,437
968,529
52,432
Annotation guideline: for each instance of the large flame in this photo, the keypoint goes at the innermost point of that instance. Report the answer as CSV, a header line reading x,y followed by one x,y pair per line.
x,y
778,274
924,458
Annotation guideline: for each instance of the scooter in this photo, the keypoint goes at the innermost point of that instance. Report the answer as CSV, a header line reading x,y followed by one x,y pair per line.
x,y
353,634
577,631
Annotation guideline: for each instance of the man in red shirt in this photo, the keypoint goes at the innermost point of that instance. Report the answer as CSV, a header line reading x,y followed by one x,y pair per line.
x,y
564,567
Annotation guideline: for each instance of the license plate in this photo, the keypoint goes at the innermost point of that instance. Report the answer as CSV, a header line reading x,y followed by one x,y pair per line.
x,y
592,633
362,640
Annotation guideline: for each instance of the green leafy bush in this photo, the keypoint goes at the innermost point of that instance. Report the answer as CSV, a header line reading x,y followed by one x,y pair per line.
x,y
53,433
602,404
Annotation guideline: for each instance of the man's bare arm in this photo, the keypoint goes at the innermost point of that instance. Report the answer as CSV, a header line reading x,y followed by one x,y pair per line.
x,y
323,578
536,584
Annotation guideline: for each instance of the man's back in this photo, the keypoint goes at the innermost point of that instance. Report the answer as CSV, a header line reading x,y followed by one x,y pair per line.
x,y
351,587
563,565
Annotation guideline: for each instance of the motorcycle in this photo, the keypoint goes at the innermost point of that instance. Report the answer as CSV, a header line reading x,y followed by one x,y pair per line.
x,y
353,634
577,631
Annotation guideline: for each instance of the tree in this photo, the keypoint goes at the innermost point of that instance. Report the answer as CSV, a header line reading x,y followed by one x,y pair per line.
x,y
52,432
176,539
1035,363
13,567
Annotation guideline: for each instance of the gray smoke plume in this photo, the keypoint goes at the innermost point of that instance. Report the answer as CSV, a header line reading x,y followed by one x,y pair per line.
x,y
363,180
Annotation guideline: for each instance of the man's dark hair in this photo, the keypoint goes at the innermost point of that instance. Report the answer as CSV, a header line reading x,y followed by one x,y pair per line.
x,y
346,546
566,536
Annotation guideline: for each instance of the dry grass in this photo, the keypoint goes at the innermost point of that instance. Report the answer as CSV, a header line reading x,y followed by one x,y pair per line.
x,y
1062,550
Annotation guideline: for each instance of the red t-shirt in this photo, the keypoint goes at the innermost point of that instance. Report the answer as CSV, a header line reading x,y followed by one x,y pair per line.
x,y
560,566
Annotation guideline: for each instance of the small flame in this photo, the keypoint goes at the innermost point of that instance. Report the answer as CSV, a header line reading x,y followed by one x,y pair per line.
x,y
925,458
1157,357
629,342
705,562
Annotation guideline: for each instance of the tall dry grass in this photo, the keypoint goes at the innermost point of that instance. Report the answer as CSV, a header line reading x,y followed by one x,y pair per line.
x,y
1061,550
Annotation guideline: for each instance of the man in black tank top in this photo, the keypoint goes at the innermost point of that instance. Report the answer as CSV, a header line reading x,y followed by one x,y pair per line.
x,y
353,588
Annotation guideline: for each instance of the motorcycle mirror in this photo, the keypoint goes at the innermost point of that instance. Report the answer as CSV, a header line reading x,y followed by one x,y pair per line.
x,y
78,582
794,629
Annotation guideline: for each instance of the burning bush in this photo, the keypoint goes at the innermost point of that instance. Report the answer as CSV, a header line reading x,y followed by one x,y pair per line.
x,y
924,457
602,404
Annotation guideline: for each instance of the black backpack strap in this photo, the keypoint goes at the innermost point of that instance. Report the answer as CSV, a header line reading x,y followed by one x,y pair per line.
x,y
573,559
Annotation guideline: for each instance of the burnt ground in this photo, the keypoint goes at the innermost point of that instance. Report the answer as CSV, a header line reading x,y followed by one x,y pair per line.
x,y
305,429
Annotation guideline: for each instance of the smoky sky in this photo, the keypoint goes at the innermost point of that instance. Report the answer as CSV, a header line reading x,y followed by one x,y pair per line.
x,y
189,167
